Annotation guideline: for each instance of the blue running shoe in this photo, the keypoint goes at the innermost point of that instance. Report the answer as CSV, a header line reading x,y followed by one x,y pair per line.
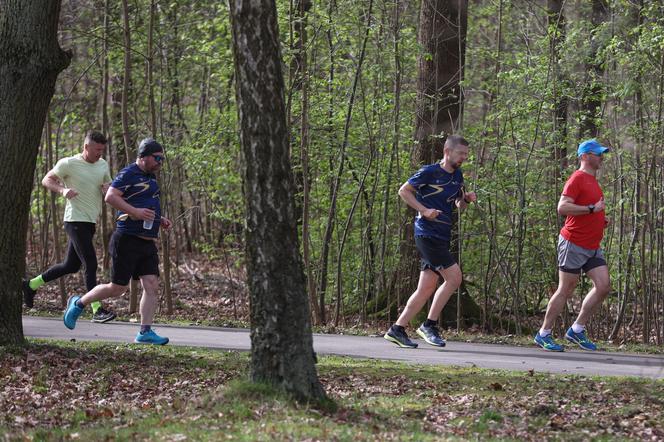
x,y
547,343
399,337
431,335
72,313
580,339
150,337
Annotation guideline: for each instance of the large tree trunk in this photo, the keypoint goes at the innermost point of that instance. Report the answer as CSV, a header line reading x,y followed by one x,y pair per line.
x,y
591,100
30,61
281,342
442,36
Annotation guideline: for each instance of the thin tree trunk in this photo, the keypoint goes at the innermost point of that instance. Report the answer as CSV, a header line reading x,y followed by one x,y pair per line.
x,y
165,246
329,229
303,6
105,235
556,20
126,134
396,126
54,218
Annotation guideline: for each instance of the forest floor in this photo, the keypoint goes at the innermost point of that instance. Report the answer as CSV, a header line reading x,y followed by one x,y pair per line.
x,y
59,390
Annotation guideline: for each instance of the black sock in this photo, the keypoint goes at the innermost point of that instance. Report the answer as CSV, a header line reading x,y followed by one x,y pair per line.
x,y
79,304
430,323
145,329
398,328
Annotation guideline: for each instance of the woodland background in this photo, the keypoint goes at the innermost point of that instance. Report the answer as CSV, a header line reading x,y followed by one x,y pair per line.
x,y
536,77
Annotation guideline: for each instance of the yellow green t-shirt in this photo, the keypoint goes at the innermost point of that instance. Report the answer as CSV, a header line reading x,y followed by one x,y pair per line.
x,y
85,178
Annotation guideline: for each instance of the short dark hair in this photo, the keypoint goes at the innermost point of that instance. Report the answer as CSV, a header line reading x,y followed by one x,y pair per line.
x,y
454,141
95,136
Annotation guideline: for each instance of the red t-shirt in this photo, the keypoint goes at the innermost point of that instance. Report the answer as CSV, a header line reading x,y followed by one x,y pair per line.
x,y
584,230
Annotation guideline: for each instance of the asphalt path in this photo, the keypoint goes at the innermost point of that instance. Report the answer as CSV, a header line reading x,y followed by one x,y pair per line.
x,y
374,347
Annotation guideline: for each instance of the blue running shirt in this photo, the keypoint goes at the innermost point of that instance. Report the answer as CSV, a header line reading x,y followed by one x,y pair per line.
x,y
436,189
141,190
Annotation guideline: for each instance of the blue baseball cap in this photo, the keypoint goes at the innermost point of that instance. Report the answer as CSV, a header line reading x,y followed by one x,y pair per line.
x,y
591,146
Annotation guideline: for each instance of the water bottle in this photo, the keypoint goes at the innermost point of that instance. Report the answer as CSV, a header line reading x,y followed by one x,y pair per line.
x,y
147,224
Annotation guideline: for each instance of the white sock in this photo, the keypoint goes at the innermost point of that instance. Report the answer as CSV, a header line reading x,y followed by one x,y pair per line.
x,y
544,332
578,328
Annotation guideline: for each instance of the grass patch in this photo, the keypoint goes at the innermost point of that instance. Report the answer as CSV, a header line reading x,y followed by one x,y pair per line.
x,y
96,391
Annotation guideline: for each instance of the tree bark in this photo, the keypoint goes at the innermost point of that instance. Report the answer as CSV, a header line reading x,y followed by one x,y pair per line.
x,y
557,28
442,36
281,341
300,77
126,134
54,212
30,61
105,231
439,104
591,100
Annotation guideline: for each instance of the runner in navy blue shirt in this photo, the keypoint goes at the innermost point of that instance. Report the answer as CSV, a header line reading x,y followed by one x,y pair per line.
x,y
135,194
433,192
140,190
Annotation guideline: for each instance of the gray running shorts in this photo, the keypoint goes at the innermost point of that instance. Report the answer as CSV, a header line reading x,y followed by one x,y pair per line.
x,y
573,259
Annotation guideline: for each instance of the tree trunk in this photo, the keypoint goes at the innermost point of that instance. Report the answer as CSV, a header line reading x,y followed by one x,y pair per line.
x,y
54,212
126,134
439,103
281,342
30,61
105,231
556,20
301,28
332,211
442,36
591,100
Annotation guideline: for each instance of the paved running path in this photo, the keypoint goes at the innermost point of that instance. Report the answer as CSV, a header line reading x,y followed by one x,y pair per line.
x,y
456,353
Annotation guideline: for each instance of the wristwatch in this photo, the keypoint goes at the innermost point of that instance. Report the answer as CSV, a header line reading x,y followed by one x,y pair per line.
x,y
591,208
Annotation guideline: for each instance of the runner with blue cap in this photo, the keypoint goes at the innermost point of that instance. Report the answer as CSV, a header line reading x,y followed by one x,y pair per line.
x,y
582,203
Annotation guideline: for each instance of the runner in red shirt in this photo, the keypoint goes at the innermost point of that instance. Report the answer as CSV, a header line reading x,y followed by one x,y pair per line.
x,y
582,202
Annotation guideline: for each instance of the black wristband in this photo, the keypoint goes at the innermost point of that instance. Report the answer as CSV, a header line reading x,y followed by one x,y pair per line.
x,y
467,202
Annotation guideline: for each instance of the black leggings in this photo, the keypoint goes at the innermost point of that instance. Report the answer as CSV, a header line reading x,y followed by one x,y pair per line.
x,y
80,250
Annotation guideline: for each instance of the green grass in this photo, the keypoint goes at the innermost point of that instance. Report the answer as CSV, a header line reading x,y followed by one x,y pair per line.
x,y
128,392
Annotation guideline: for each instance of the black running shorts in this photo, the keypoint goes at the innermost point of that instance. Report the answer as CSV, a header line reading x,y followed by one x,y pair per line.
x,y
132,257
435,253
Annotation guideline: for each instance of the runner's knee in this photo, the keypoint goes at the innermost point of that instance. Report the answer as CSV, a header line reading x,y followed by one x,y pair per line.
x,y
602,288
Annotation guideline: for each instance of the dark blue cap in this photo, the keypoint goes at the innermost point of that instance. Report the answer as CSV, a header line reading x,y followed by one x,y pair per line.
x,y
591,146
149,146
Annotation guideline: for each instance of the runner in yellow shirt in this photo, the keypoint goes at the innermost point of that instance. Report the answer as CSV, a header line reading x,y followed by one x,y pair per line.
x,y
83,180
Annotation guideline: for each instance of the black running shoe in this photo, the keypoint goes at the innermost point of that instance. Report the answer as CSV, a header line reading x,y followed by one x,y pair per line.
x,y
431,335
103,315
28,294
399,337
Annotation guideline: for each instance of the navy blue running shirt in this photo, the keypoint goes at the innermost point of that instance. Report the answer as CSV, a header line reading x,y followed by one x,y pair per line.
x,y
436,189
141,190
